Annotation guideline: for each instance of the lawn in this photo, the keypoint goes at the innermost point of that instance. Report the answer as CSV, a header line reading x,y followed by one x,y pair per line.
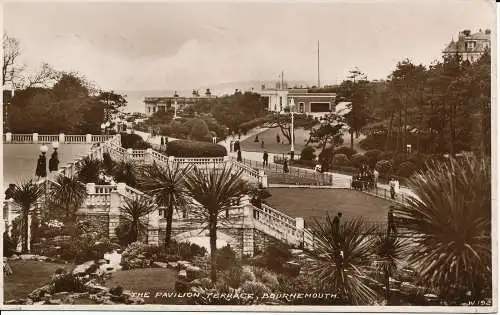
x,y
27,276
270,144
19,160
149,280
311,203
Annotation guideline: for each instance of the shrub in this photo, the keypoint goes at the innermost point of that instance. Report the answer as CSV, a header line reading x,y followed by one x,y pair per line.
x,y
270,280
398,159
340,159
199,129
307,154
344,150
406,169
384,167
107,162
226,257
372,156
233,277
358,159
67,282
256,288
276,255
247,274
9,247
188,148
187,250
133,141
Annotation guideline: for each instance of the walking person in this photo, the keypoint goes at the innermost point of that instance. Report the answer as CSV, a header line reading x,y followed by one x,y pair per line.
x,y
336,224
238,158
162,142
237,145
265,158
391,227
278,139
231,145
285,166
392,187
262,144
375,177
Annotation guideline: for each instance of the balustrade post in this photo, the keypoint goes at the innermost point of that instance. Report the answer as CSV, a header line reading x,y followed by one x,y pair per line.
x,y
226,158
299,223
62,138
88,138
171,159
121,188
118,139
90,187
8,137
35,137
148,156
114,213
129,155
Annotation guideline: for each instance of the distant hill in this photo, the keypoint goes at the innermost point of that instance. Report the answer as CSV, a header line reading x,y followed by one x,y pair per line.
x,y
135,98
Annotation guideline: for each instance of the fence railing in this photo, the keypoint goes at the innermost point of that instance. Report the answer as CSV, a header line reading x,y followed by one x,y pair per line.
x,y
44,139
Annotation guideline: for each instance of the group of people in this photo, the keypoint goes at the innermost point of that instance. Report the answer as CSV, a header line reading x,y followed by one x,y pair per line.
x,y
234,145
393,186
163,142
104,179
365,179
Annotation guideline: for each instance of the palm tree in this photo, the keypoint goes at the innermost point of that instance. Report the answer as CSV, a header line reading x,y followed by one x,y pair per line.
x,y
451,216
88,170
214,190
390,252
69,193
125,172
26,195
166,186
342,259
134,211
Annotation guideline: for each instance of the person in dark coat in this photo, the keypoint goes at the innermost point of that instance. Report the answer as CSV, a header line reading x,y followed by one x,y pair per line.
x,y
391,227
53,162
265,158
237,145
256,138
9,192
162,142
336,223
278,140
262,144
285,166
41,166
239,159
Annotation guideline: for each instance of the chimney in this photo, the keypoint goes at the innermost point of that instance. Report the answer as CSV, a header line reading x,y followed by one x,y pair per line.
x,y
487,31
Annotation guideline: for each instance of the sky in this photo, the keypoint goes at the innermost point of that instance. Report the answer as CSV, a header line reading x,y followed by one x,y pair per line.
x,y
138,46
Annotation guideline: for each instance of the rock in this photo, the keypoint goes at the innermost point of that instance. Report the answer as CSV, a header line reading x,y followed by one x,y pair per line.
x,y
296,251
195,283
193,272
14,257
160,264
12,302
118,298
172,264
28,302
97,289
27,256
206,282
60,295
183,263
55,302
39,303
182,274
42,258
83,268
39,293
118,290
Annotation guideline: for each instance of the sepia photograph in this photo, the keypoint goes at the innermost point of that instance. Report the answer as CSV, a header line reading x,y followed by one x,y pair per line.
x,y
277,156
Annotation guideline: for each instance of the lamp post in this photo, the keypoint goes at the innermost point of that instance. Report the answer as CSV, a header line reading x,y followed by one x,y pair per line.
x,y
103,127
292,131
175,109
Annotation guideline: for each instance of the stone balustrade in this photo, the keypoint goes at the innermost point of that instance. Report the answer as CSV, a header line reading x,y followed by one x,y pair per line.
x,y
61,138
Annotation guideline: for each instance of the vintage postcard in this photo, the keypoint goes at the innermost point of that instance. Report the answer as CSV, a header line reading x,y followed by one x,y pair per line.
x,y
281,156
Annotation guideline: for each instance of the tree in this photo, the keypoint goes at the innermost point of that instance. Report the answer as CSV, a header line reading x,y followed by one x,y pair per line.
x,y
214,190
68,193
284,122
451,214
390,251
134,212
27,195
355,89
166,185
88,170
11,51
112,103
327,134
125,172
342,259
199,129
44,77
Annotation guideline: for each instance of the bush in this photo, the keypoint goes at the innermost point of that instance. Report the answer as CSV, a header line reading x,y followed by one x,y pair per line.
x,y
247,274
256,288
372,156
226,258
270,280
358,159
344,150
406,169
134,256
67,282
276,255
234,277
307,154
107,162
246,126
199,129
133,141
9,247
340,159
188,148
384,167
398,159
386,155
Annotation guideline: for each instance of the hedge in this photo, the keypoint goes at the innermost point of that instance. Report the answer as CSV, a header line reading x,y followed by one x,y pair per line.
x,y
253,123
344,150
191,148
133,141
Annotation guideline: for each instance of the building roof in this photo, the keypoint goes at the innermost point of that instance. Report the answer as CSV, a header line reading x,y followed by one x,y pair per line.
x,y
459,45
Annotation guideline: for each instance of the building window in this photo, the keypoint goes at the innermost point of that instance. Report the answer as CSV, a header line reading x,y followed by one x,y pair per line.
x,y
471,45
301,107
